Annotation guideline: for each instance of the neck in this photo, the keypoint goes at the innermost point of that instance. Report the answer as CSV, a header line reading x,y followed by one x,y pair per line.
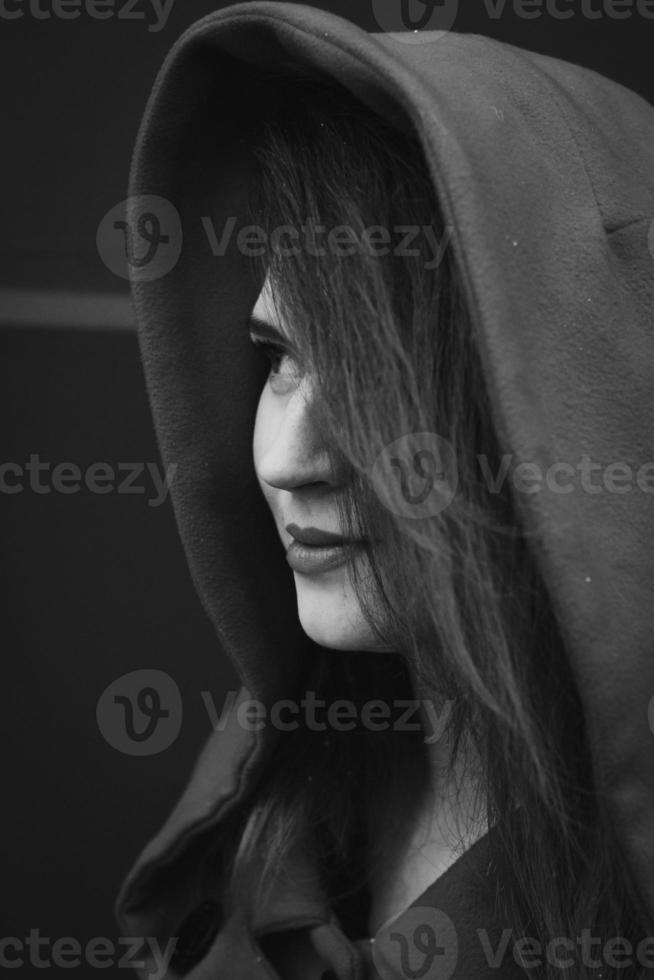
x,y
446,818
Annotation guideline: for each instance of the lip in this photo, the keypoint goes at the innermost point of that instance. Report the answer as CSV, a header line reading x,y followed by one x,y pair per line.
x,y
313,550
314,536
313,559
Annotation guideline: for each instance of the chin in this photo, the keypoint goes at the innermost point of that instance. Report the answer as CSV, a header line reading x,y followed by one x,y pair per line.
x,y
330,614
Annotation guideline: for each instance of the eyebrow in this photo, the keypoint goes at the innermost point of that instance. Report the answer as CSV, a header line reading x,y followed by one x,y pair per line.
x,y
266,330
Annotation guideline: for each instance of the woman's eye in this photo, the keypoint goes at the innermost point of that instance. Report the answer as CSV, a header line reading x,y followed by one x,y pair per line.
x,y
275,356
283,367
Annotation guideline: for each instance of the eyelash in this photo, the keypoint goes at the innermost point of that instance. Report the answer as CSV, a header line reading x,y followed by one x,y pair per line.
x,y
274,353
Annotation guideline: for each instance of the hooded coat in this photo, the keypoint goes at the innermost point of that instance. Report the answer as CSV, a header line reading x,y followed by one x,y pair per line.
x,y
545,175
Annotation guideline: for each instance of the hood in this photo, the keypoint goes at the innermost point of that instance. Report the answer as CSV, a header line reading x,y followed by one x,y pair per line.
x,y
546,180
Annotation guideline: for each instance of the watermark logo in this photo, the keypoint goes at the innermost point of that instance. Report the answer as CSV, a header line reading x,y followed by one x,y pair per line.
x,y
563,477
565,952
140,713
318,240
153,12
425,21
416,476
140,238
421,944
341,715
100,952
569,9
42,477
416,21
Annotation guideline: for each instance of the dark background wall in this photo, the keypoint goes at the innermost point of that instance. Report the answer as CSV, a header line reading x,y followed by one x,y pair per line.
x,y
95,586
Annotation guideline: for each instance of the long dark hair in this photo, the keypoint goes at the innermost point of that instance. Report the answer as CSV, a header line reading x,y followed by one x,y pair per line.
x,y
456,594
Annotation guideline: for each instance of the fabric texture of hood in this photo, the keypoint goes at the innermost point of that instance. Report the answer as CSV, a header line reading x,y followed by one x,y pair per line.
x,y
545,175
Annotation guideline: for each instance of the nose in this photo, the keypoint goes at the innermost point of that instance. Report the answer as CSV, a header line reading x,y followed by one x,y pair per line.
x,y
293,454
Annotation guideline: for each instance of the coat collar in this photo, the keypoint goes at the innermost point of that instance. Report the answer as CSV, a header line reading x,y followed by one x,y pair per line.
x,y
454,922
454,929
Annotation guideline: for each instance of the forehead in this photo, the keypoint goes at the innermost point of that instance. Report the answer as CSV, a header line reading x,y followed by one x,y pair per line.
x,y
264,307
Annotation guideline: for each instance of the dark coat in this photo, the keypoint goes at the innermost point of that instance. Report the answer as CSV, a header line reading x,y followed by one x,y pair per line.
x,y
454,920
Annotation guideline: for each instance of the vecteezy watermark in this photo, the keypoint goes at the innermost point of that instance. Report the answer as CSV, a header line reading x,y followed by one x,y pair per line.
x,y
415,21
98,478
141,239
565,952
100,952
154,13
340,715
416,476
425,21
317,240
141,713
567,9
563,477
421,943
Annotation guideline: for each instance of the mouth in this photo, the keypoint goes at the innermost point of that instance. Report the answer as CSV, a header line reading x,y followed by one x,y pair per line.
x,y
313,551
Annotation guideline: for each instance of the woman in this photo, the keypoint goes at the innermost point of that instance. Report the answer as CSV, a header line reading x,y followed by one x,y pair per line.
x,y
443,260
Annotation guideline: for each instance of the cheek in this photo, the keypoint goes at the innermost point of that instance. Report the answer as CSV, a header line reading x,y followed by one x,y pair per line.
x,y
262,440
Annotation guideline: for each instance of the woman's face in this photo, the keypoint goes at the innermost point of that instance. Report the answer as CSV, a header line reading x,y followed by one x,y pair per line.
x,y
302,491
